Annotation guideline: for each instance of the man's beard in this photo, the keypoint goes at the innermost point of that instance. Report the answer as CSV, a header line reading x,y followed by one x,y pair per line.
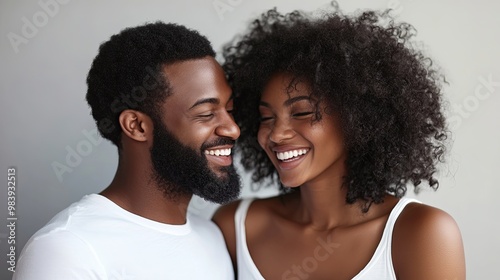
x,y
180,170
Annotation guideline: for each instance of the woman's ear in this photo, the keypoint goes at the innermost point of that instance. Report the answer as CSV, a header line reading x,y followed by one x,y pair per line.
x,y
136,125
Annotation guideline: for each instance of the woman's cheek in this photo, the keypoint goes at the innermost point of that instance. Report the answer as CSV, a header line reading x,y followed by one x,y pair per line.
x,y
262,136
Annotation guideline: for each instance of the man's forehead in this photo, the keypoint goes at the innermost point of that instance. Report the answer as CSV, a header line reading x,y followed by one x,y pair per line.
x,y
196,82
196,66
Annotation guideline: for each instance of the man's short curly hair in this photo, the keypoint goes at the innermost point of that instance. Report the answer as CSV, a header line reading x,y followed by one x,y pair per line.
x,y
127,72
363,67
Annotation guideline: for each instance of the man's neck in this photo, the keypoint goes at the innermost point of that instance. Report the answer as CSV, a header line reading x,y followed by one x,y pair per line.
x,y
136,191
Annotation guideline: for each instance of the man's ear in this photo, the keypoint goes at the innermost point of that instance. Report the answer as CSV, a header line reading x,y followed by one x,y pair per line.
x,y
136,125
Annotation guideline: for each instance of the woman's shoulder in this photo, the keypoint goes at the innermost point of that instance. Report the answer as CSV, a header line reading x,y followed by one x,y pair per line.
x,y
427,243
258,214
418,220
256,207
259,211
226,212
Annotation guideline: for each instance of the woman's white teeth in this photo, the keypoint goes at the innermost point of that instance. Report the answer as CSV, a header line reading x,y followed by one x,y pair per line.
x,y
220,152
290,154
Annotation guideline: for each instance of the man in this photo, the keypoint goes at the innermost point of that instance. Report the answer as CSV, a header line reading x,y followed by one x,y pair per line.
x,y
158,94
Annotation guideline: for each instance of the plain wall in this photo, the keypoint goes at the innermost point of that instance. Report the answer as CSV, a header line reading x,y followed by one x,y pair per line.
x,y
44,116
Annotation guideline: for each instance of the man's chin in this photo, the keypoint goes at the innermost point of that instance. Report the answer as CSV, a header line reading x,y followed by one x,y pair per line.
x,y
220,172
221,175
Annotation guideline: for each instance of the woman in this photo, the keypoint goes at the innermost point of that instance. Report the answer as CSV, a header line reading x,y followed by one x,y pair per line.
x,y
346,114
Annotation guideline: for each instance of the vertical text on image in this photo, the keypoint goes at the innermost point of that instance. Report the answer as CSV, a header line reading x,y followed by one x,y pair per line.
x,y
11,218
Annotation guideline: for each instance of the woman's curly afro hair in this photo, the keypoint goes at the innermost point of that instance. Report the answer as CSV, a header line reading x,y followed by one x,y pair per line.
x,y
363,67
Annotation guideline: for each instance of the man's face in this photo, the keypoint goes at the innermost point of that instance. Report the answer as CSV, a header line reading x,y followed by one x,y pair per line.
x,y
195,133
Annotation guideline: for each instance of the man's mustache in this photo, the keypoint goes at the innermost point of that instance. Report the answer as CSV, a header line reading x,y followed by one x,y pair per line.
x,y
218,142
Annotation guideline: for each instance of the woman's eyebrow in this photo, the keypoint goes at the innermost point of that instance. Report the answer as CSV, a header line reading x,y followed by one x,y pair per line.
x,y
296,99
265,104
289,101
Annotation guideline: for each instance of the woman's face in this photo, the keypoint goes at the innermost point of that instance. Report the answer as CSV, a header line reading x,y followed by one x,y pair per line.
x,y
302,150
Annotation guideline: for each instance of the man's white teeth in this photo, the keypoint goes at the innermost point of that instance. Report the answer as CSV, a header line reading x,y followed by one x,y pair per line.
x,y
291,154
221,152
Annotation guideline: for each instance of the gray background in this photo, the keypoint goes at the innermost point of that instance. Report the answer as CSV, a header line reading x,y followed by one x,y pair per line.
x,y
44,116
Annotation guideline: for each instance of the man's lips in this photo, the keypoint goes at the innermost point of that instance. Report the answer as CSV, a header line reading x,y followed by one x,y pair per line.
x,y
218,152
220,156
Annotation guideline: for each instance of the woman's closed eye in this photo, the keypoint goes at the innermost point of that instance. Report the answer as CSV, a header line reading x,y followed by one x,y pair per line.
x,y
302,114
265,118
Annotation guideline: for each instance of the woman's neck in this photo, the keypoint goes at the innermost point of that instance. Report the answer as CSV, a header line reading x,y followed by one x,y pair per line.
x,y
323,205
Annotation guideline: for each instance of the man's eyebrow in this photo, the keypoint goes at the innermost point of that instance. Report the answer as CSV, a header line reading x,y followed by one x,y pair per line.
x,y
204,101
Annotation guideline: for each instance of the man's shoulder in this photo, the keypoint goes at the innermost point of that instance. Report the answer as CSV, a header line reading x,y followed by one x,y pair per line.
x,y
205,225
88,215
62,220
55,252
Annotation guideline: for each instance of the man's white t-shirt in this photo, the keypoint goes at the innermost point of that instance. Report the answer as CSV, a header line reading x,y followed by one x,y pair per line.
x,y
96,239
